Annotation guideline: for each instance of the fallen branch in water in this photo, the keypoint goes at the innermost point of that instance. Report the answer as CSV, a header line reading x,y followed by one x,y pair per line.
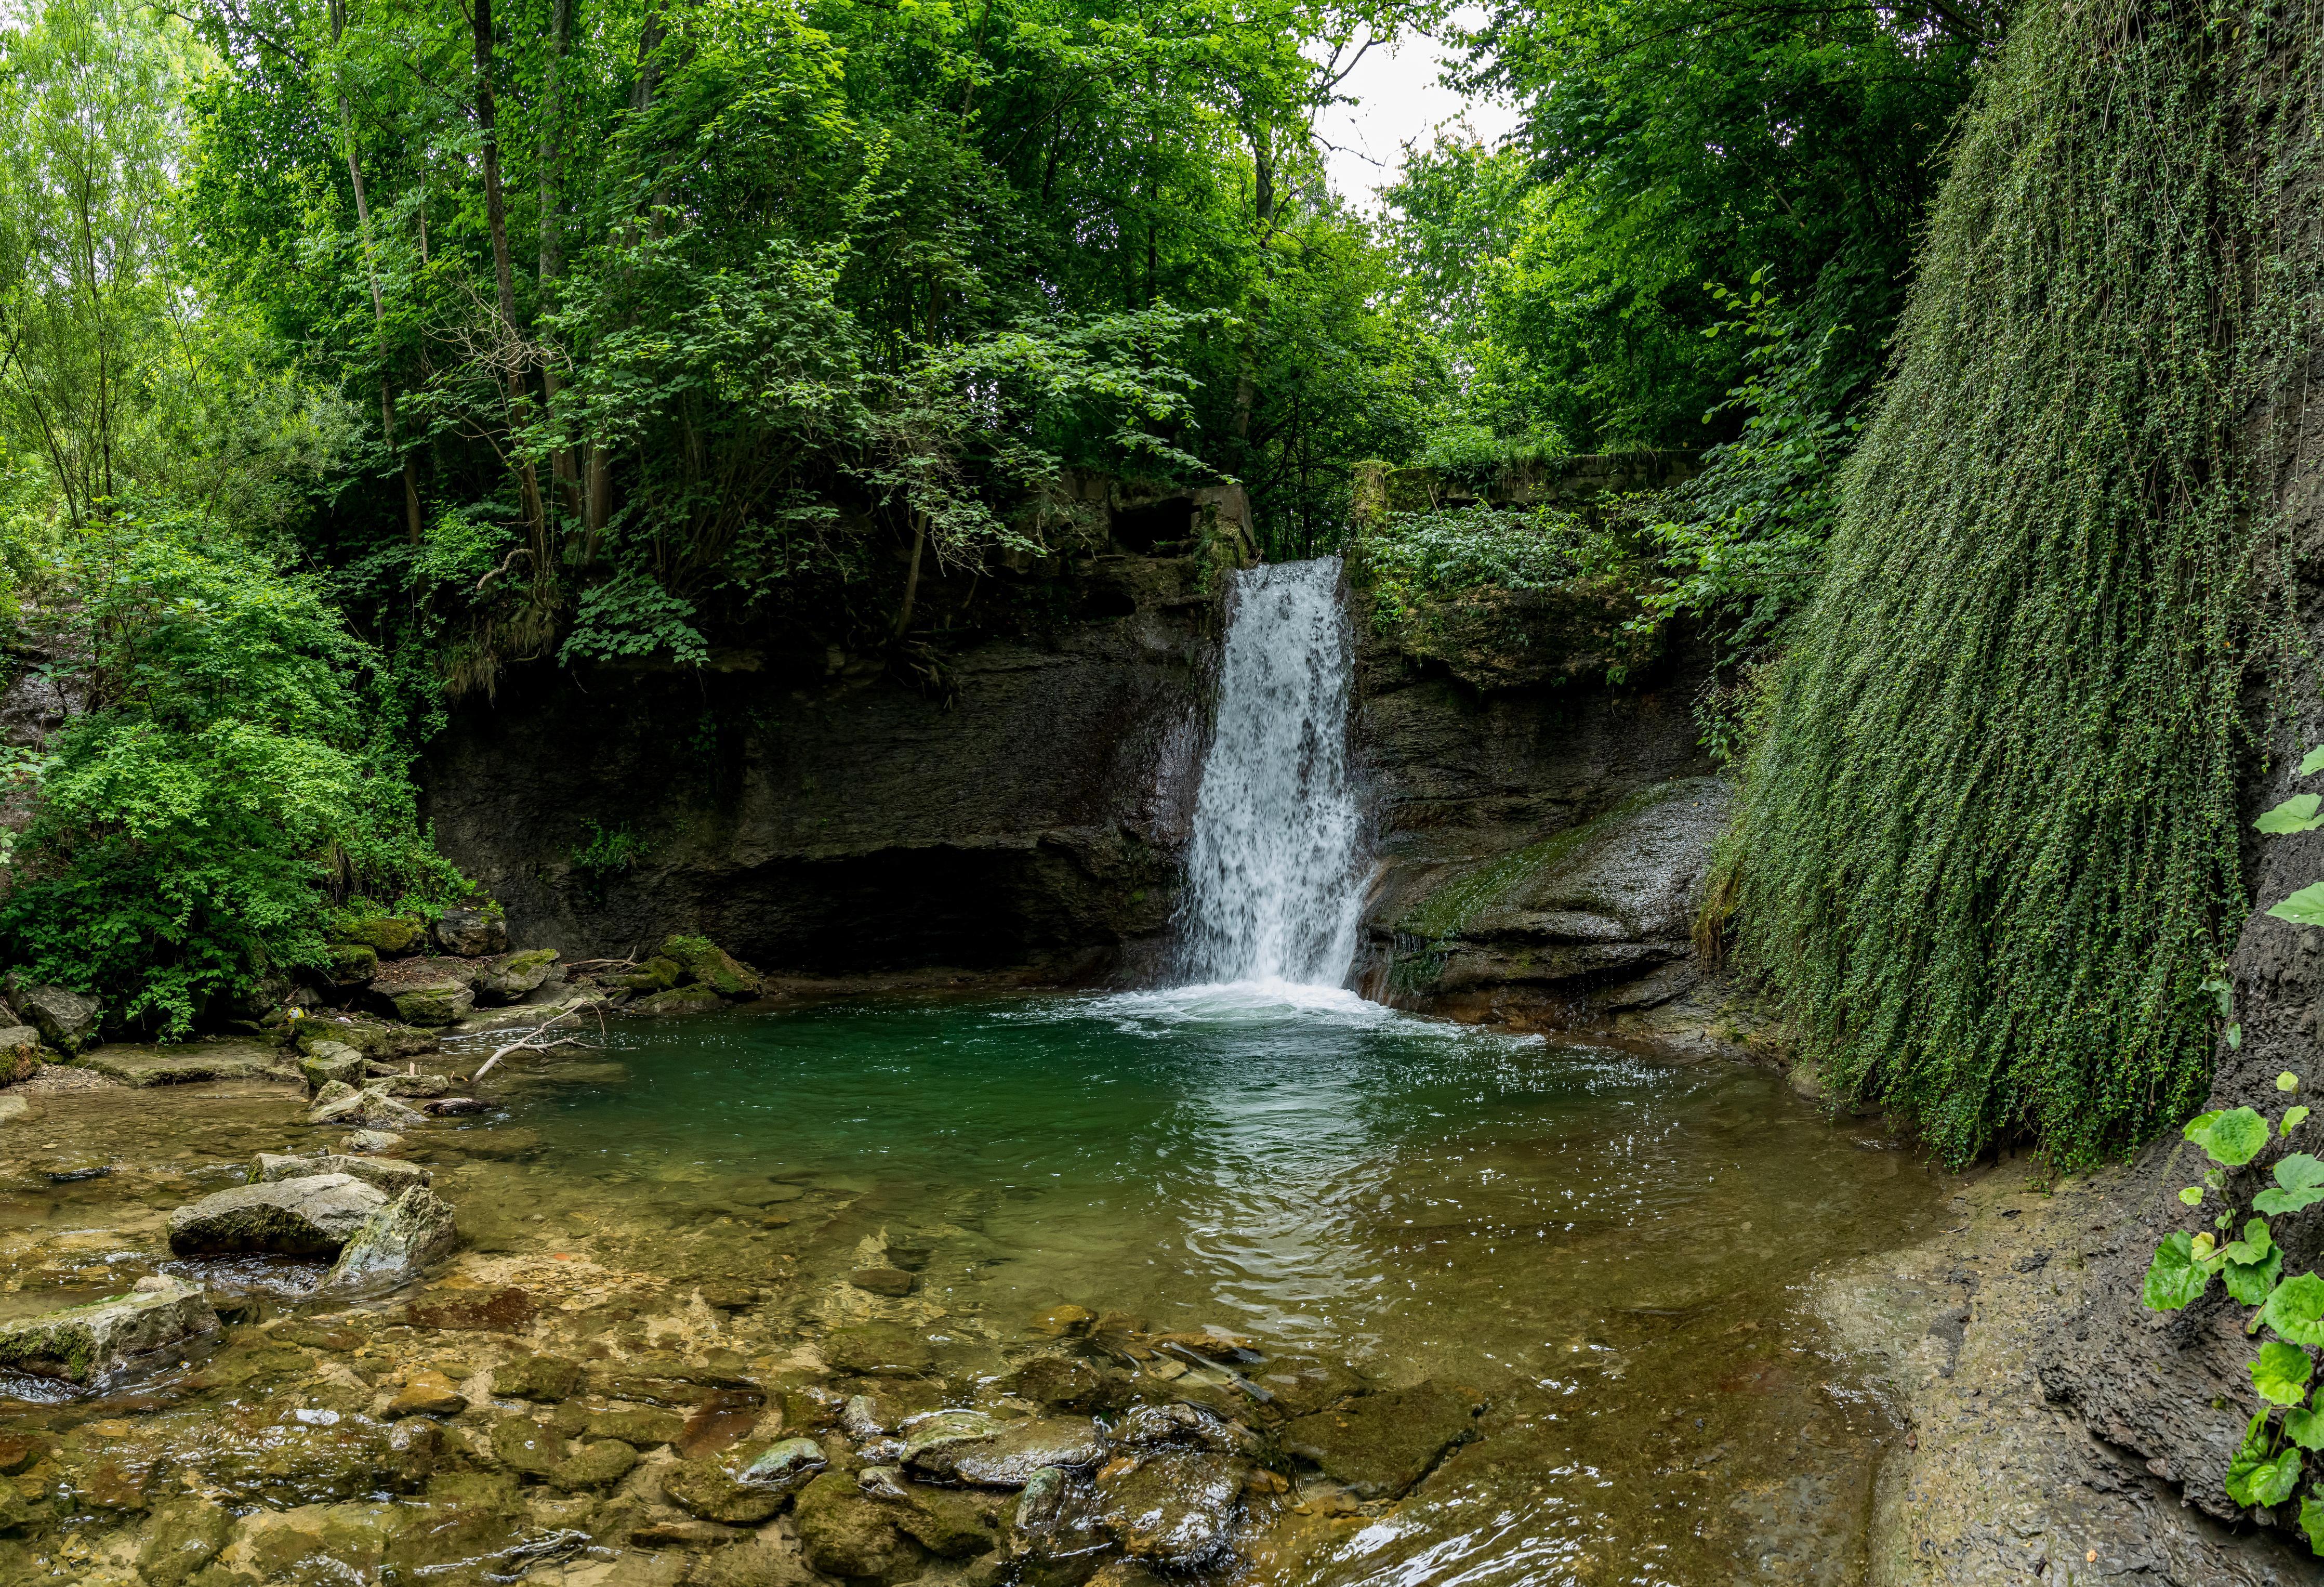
x,y
530,1041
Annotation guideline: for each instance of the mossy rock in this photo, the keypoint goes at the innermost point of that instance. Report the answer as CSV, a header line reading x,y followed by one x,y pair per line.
x,y
656,974
350,964
709,964
389,935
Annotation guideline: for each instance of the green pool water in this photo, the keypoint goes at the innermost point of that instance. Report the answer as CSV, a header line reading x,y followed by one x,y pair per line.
x,y
1613,1246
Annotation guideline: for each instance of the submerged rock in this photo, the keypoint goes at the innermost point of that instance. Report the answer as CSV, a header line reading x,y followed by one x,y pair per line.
x,y
91,1344
1176,1509
66,1020
967,1446
314,1217
1381,1444
844,1533
396,1243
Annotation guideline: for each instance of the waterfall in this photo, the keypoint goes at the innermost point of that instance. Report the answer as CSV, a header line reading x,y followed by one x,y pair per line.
x,y
1272,887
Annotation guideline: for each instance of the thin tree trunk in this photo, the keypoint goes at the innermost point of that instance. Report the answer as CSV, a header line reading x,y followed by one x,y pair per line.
x,y
505,277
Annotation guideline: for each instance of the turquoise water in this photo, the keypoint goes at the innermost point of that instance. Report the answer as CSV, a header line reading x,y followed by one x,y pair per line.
x,y
1611,1244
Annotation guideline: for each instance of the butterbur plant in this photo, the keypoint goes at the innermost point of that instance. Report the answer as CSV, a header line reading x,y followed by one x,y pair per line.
x,y
2269,1464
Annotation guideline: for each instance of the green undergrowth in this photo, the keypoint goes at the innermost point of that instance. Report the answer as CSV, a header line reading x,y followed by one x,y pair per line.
x,y
1988,836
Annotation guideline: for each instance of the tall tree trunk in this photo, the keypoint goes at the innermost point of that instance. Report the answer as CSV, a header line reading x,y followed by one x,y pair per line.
x,y
561,465
411,516
505,277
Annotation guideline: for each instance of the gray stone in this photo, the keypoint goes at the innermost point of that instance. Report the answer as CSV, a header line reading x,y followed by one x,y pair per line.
x,y
387,1174
515,975
1176,1508
471,930
956,1448
396,1243
67,1019
313,1216
92,1344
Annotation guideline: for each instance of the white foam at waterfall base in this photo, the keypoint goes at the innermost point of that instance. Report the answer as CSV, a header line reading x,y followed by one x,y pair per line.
x,y
1273,889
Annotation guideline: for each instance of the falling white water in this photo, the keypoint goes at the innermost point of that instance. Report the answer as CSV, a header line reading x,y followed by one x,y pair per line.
x,y
1272,888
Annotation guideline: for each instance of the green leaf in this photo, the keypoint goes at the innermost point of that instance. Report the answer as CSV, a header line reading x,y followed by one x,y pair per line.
x,y
2250,1283
2264,1482
2281,1373
2232,1136
2291,1118
2311,1520
2175,1279
2302,1181
2296,1310
2305,1428
2192,1195
2304,907
2311,763
2296,813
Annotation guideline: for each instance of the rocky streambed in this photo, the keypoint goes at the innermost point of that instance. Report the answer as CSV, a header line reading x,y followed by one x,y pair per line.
x,y
1044,1290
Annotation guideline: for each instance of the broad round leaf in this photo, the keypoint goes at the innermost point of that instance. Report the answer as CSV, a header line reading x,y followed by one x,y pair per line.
x,y
2175,1279
2296,1310
2304,907
2279,1372
2232,1138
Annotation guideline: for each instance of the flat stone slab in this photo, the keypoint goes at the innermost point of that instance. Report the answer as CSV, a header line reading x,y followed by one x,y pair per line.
x,y
1381,1444
95,1344
141,1064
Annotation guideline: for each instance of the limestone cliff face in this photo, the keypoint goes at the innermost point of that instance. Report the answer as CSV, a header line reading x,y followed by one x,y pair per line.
x,y
1539,849
1018,798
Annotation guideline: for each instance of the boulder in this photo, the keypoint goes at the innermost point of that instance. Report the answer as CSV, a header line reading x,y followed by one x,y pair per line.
x,y
515,975
845,1534
396,1243
313,1216
91,1344
1176,1508
954,1447
434,1004
21,1053
389,935
1381,1444
331,1061
362,1110
384,1174
67,1020
375,1038
706,963
471,930
684,1000
186,1064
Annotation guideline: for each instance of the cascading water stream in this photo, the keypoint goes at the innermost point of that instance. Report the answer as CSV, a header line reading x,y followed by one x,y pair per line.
x,y
1273,891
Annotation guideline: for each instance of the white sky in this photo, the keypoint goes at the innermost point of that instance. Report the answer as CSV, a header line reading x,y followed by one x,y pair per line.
x,y
1399,100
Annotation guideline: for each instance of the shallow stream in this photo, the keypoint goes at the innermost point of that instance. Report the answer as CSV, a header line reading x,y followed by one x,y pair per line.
x,y
1610,1248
